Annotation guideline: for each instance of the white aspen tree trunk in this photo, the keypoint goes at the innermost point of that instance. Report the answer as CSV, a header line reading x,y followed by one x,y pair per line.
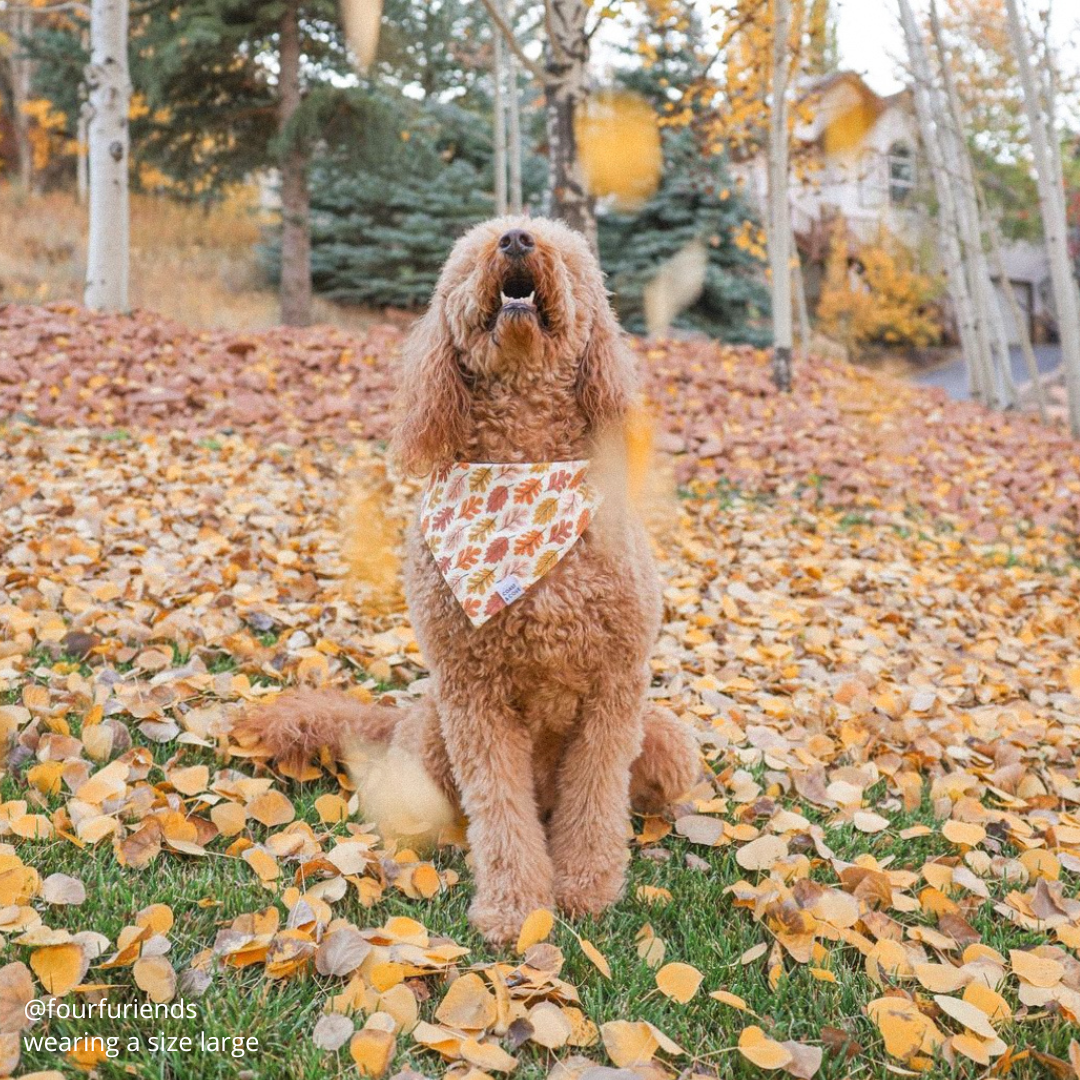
x,y
798,285
1052,205
514,124
779,208
1002,386
948,232
108,250
21,81
1016,313
516,57
82,152
295,290
499,122
969,245
1050,101
82,160
986,381
1009,395
565,91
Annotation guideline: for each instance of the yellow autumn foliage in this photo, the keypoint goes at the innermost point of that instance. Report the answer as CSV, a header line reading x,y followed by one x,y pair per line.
x,y
876,294
47,124
738,73
371,539
618,138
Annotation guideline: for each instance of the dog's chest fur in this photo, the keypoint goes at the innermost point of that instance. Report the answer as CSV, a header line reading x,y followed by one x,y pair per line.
x,y
532,416
602,600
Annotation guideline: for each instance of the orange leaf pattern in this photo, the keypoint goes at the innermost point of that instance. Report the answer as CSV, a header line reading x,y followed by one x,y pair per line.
x,y
534,514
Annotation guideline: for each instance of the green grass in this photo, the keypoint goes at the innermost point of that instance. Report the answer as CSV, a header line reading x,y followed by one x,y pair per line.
x,y
700,926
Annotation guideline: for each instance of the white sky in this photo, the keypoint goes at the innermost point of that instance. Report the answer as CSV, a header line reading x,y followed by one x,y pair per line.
x,y
870,42
868,32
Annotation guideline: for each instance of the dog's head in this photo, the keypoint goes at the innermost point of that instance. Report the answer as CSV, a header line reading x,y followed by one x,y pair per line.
x,y
516,296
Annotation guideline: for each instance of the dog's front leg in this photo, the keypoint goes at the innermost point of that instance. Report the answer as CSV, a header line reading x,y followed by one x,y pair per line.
x,y
589,826
491,755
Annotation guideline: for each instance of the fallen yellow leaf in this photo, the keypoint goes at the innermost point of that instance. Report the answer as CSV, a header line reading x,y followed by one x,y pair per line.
x,y
629,1043
679,982
372,1050
59,967
535,929
596,956
765,1053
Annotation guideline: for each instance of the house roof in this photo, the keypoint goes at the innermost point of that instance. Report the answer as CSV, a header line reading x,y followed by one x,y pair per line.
x,y
823,83
840,124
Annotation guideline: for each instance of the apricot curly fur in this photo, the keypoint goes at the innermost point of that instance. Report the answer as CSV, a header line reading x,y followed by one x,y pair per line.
x,y
537,723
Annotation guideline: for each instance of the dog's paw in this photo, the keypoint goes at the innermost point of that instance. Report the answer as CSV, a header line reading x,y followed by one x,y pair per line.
x,y
669,763
500,925
589,892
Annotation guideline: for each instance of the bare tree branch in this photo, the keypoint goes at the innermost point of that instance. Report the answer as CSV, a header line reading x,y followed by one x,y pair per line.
x,y
590,34
511,40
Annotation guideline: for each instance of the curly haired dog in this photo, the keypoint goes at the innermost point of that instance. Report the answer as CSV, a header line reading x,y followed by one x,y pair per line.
x,y
537,723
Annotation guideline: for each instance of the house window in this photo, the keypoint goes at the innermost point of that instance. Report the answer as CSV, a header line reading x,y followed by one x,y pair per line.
x,y
901,174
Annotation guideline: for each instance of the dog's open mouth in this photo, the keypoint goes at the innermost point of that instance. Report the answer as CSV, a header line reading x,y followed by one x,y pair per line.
x,y
518,294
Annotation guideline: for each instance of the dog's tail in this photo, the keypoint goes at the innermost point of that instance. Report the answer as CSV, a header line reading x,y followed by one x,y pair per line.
x,y
388,753
298,724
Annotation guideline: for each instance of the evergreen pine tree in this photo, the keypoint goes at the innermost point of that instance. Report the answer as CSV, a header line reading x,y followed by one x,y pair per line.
x,y
231,88
696,201
386,214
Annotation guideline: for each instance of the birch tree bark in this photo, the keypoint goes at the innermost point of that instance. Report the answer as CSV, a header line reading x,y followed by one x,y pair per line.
x,y
1050,91
951,253
798,285
1052,205
565,91
962,172
1016,313
20,74
563,77
108,253
82,160
779,207
295,289
514,140
499,121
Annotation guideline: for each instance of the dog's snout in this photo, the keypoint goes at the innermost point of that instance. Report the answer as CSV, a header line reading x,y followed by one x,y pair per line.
x,y
516,242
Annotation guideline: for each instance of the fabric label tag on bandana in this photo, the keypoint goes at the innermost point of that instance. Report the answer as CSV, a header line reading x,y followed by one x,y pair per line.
x,y
495,530
510,589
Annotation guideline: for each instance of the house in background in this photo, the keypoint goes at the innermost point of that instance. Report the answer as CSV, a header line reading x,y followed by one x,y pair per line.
x,y
865,169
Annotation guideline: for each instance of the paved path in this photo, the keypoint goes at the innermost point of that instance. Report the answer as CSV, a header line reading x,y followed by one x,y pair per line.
x,y
953,378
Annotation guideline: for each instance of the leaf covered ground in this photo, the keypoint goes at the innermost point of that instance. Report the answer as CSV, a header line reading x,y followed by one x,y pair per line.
x,y
872,617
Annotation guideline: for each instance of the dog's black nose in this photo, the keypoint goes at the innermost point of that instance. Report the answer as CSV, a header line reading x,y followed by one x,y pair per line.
x,y
516,242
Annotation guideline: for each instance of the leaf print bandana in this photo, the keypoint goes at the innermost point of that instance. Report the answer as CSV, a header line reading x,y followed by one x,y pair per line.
x,y
496,530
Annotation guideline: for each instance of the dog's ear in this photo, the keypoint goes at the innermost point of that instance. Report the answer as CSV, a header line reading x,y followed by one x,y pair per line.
x,y
434,399
607,379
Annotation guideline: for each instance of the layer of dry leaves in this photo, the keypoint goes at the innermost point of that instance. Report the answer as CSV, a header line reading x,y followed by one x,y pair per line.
x,y
922,649
843,435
